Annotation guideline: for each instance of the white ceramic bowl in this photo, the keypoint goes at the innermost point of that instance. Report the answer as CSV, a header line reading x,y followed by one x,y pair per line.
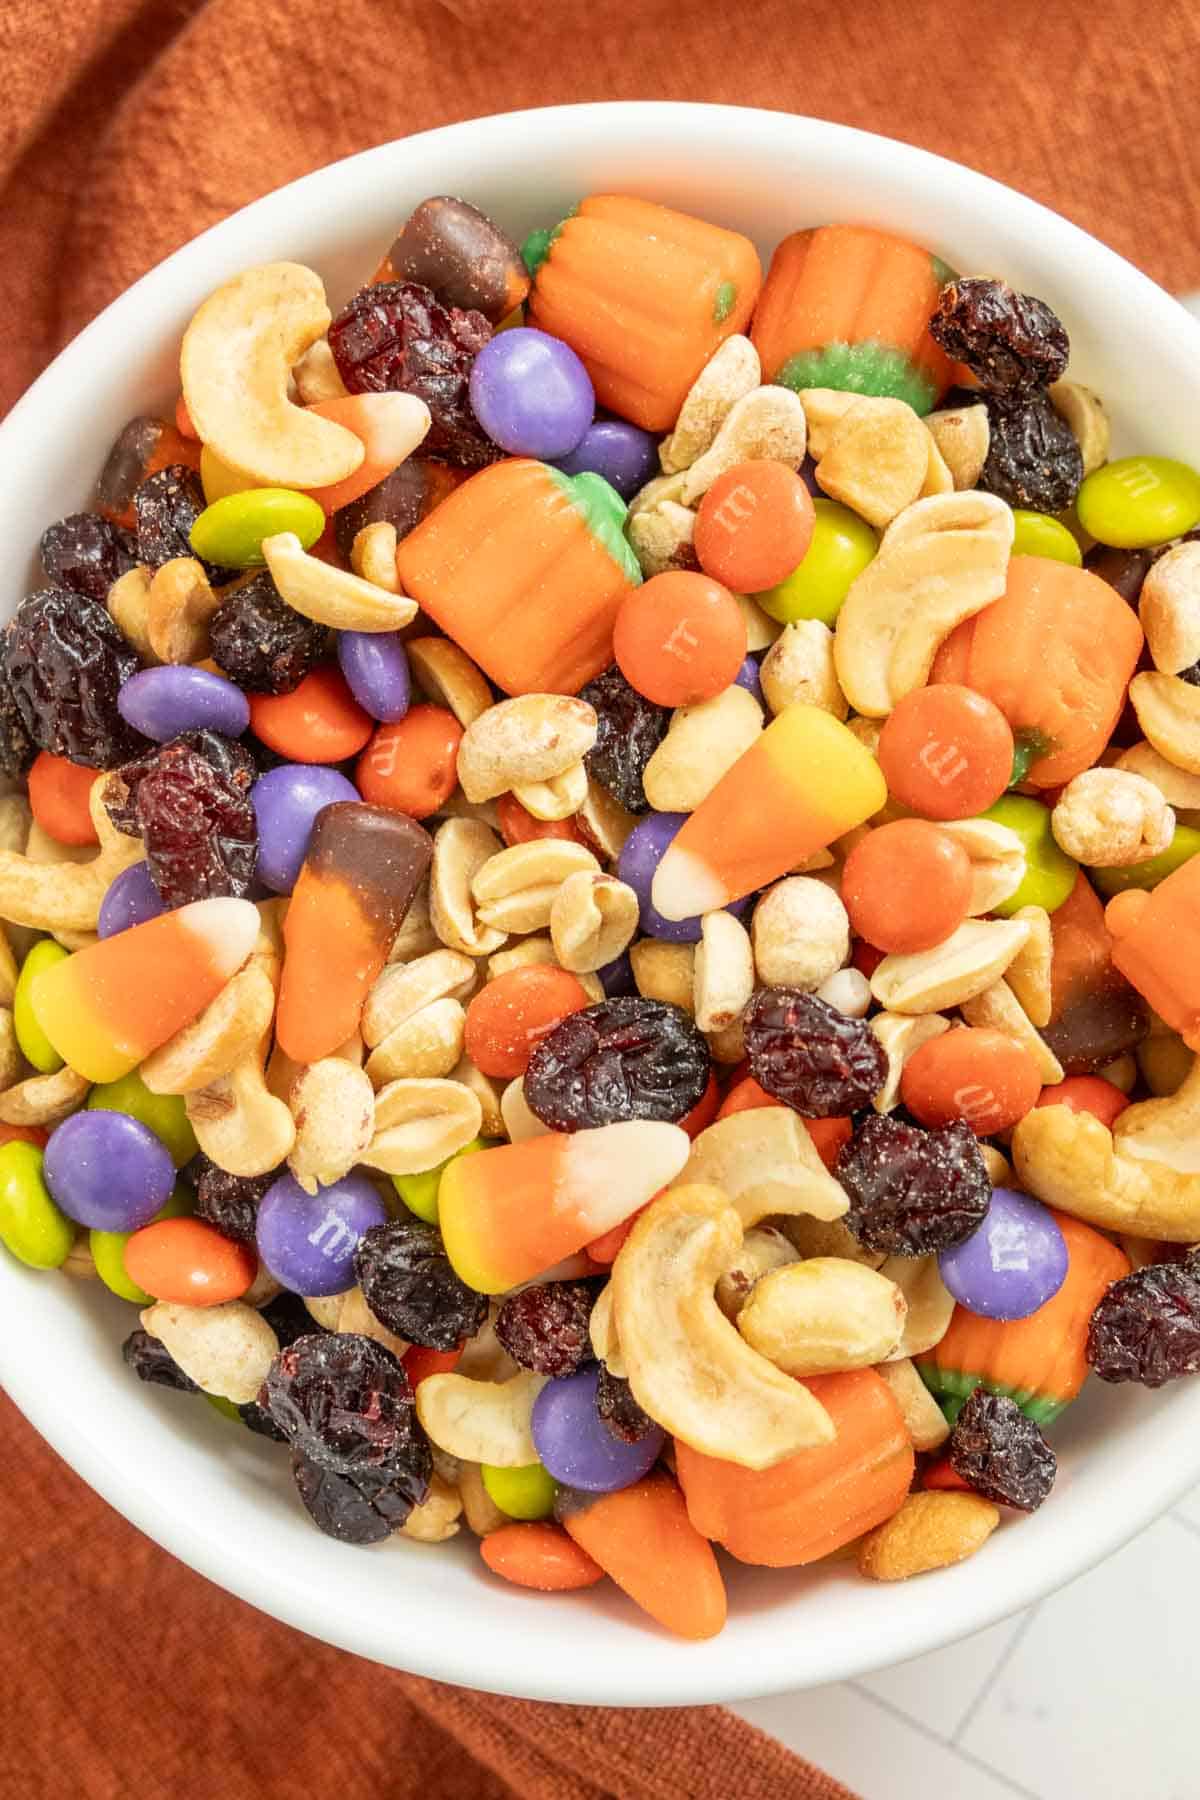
x,y
221,1499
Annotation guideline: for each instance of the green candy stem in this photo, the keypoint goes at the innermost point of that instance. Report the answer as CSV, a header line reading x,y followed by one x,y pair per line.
x,y
1029,746
725,301
867,368
952,1390
604,513
538,244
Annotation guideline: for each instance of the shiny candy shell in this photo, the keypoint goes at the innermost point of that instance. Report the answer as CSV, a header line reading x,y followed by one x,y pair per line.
x,y
132,898
531,393
286,802
108,1171
308,1240
624,454
577,1448
161,703
376,671
1011,1265
1139,500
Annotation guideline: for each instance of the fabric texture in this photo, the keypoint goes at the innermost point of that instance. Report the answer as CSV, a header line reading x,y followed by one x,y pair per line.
x,y
127,127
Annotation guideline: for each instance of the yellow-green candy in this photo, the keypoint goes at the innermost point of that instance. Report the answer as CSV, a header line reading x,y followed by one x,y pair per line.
x,y
108,1248
31,1226
34,1045
232,529
420,1192
1049,872
842,546
1037,534
226,1407
1139,500
524,1493
1182,847
163,1114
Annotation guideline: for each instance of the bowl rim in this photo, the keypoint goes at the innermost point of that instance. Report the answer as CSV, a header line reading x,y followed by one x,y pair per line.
x,y
1147,1481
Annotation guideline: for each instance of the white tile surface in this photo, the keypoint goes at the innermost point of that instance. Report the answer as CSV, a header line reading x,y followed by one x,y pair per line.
x,y
1189,1508
937,1691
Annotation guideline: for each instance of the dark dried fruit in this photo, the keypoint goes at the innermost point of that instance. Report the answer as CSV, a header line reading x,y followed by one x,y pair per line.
x,y
401,499
409,1284
811,1056
1147,1327
167,505
1105,1022
17,749
545,1328
1124,570
261,642
619,1411
355,1509
190,801
1001,1453
289,1318
625,1058
1033,459
255,1418
150,1360
1191,675
1011,342
629,730
913,1191
65,662
396,337
86,553
345,1401
229,1203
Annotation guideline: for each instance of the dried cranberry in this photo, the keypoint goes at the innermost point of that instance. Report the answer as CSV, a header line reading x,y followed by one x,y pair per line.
x,y
811,1056
230,1202
629,730
624,1058
1033,459
546,1327
409,1284
167,505
401,499
356,1509
619,1411
261,642
288,1317
345,1401
150,1360
1001,1453
86,553
190,801
1011,342
17,749
396,336
256,1419
1147,1327
64,662
913,1191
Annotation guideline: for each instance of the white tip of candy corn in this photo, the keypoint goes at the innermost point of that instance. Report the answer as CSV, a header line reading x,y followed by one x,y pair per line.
x,y
684,886
614,1169
227,930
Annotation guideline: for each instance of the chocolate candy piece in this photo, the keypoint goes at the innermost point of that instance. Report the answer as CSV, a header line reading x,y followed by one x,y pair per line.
x,y
450,246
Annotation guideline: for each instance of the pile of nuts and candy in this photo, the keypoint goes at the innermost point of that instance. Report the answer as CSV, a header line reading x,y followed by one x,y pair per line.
x,y
601,909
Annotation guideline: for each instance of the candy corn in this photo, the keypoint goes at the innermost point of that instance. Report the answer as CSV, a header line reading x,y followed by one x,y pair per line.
x,y
804,782
507,1214
107,1007
1158,949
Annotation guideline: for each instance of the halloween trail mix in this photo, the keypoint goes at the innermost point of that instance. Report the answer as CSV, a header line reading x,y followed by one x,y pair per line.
x,y
601,909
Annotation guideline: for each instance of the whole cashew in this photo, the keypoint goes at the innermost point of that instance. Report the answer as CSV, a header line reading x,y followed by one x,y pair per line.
x,y
44,1099
239,1123
481,1421
765,1162
66,896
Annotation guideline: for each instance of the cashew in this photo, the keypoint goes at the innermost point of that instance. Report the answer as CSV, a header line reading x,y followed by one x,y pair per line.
x,y
765,1162
44,1099
11,1061
333,1105
436,1518
901,1034
824,409
326,1309
967,962
999,1009
520,1122
822,1316
659,529
799,668
481,1421
234,363
931,1530
531,738
1084,412
447,676
373,556
731,372
223,1035
849,991
316,375
515,889
663,971
941,561
801,933
592,920
179,606
63,896
688,1367
558,798
486,1091
331,596
930,1303
761,628
998,861
354,1315
226,1350
723,972
239,1124
1169,609
924,1419
605,821
461,847
1168,711
128,604
419,1124
962,435
1177,787
763,1248
1028,973
702,744
827,1237
1109,818
765,424
876,459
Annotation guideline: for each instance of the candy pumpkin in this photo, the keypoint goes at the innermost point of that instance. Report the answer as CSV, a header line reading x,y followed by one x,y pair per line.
x,y
1158,949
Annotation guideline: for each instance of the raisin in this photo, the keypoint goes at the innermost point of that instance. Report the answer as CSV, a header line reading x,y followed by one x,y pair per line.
x,y
409,1284
255,1418
401,499
619,1412
811,1056
1011,342
229,1203
167,505
629,730
17,749
86,553
1033,459
1124,570
345,1402
545,1328
152,1361
396,336
356,1509
913,1191
1147,1326
261,642
190,801
65,661
625,1058
289,1318
1001,1453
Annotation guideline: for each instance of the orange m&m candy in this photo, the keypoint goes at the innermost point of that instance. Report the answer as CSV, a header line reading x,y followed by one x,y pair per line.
x,y
680,638
509,1017
971,1073
946,751
907,886
412,765
320,721
754,526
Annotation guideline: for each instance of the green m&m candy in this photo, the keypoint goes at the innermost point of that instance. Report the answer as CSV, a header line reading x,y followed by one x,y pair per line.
x,y
1049,872
842,545
1139,500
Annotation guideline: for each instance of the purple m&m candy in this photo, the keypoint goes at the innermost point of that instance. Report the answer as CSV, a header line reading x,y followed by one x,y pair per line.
x,y
624,454
749,677
531,393
376,671
131,899
1012,1264
644,849
160,703
616,977
286,802
576,1446
107,1171
308,1240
